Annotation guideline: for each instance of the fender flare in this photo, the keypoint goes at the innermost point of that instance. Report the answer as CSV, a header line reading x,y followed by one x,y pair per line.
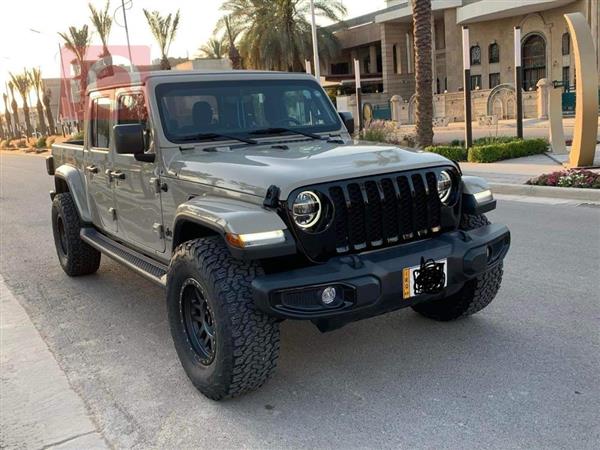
x,y
477,196
76,187
229,216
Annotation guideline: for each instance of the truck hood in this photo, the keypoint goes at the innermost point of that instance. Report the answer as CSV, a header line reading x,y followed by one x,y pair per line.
x,y
252,170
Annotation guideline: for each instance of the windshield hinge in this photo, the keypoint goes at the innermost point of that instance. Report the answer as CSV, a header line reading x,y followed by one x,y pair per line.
x,y
272,197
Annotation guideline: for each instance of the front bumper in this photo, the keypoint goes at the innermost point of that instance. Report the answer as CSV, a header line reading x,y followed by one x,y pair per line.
x,y
372,282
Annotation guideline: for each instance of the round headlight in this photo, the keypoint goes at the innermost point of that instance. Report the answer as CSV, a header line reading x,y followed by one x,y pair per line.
x,y
444,186
306,209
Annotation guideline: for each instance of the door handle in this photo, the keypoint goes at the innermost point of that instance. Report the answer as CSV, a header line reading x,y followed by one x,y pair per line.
x,y
91,169
118,175
114,175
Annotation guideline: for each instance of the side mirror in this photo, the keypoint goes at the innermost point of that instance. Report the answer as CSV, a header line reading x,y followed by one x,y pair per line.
x,y
348,120
129,139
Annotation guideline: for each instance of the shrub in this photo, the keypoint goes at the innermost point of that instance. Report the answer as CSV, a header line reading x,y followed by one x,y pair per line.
x,y
5,144
457,143
452,152
508,150
577,178
51,140
78,136
494,140
22,143
374,135
41,143
388,132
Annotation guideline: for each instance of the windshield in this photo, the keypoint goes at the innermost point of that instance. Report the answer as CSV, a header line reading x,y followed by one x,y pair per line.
x,y
196,110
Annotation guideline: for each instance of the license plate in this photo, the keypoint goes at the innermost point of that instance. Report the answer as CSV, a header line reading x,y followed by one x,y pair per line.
x,y
429,277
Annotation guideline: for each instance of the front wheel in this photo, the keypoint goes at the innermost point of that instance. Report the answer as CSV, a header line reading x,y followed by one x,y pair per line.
x,y
226,346
475,295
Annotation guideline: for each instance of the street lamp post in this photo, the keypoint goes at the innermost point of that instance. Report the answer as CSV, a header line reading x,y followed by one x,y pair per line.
x,y
315,42
467,86
518,82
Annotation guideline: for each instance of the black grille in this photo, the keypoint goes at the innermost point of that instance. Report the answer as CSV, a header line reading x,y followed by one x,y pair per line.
x,y
385,210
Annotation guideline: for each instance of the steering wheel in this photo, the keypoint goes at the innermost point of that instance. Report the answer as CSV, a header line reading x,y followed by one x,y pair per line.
x,y
287,121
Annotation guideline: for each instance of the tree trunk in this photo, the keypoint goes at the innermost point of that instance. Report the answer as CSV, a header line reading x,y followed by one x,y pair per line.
x,y
234,57
423,72
15,110
49,115
164,63
27,118
8,121
41,120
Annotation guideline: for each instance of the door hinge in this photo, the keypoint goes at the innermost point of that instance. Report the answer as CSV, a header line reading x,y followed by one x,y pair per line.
x,y
159,229
158,185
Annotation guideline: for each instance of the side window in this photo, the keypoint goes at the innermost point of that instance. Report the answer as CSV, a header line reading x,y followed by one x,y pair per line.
x,y
132,109
100,135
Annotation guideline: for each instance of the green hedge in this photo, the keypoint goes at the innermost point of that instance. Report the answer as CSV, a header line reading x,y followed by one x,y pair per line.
x,y
451,152
515,149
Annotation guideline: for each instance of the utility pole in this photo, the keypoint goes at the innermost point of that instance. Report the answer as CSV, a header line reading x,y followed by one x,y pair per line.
x,y
315,42
358,94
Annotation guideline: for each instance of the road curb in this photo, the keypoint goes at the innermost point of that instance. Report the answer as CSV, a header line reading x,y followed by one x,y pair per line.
x,y
589,195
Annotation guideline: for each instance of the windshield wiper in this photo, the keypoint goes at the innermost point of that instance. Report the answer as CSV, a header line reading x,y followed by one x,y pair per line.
x,y
278,130
213,136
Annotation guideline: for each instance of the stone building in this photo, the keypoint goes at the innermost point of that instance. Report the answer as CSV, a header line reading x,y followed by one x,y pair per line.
x,y
384,45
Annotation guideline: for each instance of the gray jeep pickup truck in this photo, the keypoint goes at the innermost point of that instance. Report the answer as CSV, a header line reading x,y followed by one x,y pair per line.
x,y
244,195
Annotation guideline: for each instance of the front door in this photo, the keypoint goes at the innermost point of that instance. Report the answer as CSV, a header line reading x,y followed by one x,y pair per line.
x,y
98,164
137,197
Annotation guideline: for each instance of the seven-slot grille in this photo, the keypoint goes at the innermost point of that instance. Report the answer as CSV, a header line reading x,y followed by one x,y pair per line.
x,y
381,211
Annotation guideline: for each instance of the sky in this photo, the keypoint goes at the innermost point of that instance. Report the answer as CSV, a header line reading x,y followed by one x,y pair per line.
x,y
22,47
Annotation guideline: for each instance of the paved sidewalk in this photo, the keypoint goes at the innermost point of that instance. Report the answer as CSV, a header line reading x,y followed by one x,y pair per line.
x,y
519,170
38,407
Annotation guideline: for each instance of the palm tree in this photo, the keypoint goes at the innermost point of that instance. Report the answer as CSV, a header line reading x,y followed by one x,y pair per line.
x,y
231,31
7,118
215,48
276,34
15,108
423,72
77,40
102,21
23,84
164,29
35,77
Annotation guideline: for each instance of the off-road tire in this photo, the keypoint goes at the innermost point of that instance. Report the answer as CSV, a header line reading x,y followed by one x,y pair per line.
x,y
75,256
475,295
247,340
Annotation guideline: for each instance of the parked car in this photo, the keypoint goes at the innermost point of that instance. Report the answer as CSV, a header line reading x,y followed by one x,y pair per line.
x,y
245,196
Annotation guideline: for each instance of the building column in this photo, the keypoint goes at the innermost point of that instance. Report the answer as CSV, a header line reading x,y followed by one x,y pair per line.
x,y
372,59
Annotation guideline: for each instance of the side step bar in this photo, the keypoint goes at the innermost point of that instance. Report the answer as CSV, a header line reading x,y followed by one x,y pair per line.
x,y
147,267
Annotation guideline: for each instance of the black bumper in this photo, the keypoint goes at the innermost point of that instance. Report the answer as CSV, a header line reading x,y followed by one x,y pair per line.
x,y
371,283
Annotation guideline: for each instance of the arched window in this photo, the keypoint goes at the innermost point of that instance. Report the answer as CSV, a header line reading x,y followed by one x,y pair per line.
x,y
534,61
566,44
494,53
475,55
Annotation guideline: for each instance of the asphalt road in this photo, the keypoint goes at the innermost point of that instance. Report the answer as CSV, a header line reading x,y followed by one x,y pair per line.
x,y
523,373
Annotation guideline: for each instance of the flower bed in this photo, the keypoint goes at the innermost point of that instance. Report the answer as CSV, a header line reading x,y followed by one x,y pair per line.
x,y
577,178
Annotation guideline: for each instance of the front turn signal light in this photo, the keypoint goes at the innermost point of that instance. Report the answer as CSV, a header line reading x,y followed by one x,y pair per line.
x,y
255,239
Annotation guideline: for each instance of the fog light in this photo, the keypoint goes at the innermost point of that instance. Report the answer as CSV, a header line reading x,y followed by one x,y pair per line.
x,y
328,295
